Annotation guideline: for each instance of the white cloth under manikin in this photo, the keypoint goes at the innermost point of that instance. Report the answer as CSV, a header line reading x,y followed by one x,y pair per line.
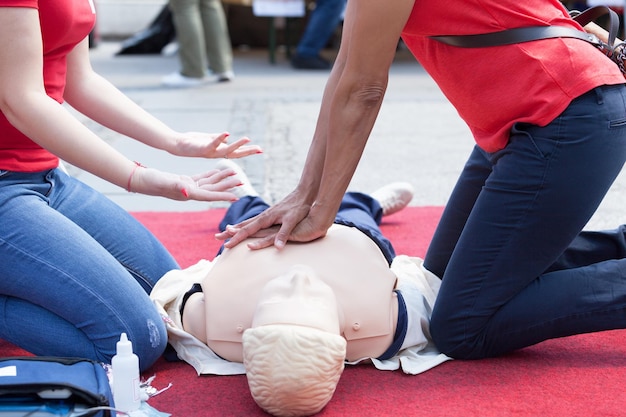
x,y
419,288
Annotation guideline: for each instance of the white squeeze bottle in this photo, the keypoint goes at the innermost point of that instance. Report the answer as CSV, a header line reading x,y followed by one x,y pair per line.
x,y
125,365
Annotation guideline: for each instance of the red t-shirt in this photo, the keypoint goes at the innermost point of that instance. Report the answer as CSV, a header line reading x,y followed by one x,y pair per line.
x,y
64,23
493,88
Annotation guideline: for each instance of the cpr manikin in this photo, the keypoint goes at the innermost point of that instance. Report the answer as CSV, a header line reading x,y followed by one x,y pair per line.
x,y
347,260
288,314
282,316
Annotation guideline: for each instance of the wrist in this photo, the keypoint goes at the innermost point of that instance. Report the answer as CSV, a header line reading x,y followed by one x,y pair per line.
x,y
325,213
170,141
132,174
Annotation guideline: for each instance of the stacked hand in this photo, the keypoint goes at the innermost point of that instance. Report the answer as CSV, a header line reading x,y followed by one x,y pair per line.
x,y
292,219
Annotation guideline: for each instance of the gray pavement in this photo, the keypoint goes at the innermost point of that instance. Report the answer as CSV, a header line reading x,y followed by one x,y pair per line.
x,y
418,136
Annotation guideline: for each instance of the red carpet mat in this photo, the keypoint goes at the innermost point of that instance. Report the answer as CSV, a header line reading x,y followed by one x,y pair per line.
x,y
576,376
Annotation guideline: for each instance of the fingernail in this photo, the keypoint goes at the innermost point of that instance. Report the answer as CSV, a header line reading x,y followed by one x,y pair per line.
x,y
185,193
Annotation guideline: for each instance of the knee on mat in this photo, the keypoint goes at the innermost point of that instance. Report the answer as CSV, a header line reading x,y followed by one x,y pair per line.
x,y
149,344
455,344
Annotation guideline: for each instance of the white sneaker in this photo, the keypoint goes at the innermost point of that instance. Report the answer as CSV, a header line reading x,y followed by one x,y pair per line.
x,y
170,49
246,188
176,79
226,76
394,197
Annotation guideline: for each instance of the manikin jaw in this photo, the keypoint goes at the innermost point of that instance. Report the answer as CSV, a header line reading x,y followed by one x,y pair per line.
x,y
299,298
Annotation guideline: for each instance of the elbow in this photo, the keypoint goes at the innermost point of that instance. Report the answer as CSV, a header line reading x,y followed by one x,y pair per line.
x,y
21,109
10,108
6,102
370,95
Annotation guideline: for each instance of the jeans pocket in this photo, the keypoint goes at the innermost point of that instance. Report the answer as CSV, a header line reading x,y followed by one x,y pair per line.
x,y
526,138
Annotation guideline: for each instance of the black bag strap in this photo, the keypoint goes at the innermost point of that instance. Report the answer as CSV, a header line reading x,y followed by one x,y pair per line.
x,y
533,33
517,35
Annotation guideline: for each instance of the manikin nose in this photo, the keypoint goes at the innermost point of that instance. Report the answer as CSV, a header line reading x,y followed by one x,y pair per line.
x,y
302,279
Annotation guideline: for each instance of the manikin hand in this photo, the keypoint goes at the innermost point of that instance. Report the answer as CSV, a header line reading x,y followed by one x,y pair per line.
x,y
213,145
290,220
208,186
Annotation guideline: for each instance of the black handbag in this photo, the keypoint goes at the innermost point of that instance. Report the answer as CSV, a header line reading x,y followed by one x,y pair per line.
x,y
532,33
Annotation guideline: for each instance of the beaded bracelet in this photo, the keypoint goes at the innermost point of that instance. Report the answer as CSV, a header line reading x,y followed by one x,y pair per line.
x,y
130,177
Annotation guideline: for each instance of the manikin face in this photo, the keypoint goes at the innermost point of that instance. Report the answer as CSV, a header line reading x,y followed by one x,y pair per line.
x,y
300,298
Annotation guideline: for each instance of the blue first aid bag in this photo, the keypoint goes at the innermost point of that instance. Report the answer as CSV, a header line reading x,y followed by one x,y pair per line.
x,y
44,386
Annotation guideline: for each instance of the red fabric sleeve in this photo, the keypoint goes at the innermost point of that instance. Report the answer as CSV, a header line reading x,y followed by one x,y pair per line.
x,y
20,3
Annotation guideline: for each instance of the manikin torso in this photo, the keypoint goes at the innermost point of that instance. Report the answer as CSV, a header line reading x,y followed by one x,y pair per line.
x,y
345,259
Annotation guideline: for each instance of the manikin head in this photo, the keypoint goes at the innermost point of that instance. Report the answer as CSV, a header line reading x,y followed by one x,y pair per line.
x,y
293,353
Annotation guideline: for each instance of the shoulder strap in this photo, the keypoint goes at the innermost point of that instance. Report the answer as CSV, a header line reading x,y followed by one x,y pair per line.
x,y
595,12
517,35
533,33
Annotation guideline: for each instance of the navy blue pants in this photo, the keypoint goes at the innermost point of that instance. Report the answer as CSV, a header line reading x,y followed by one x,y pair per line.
x,y
357,210
516,268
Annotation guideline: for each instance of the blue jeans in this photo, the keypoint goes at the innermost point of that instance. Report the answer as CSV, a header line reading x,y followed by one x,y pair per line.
x,y
76,270
356,210
516,268
320,27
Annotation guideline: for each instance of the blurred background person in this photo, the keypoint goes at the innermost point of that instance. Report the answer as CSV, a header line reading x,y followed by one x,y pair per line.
x,y
203,43
322,24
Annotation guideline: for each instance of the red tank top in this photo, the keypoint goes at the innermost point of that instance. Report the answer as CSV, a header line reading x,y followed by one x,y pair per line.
x,y
493,88
64,23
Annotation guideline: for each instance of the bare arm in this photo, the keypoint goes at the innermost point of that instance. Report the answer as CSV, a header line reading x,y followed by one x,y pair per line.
x,y
24,101
98,99
600,32
350,105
